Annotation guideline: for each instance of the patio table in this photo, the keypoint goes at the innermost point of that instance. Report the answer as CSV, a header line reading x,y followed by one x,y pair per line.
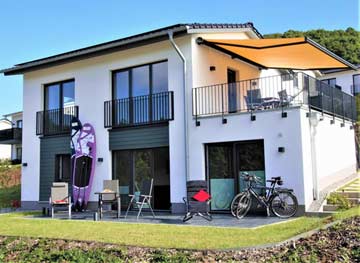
x,y
270,102
100,202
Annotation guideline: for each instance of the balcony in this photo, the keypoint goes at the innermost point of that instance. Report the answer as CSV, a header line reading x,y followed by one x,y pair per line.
x,y
138,111
56,121
272,93
11,136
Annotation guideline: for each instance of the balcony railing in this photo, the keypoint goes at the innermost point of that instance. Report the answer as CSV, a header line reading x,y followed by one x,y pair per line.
x,y
141,110
274,92
11,135
55,122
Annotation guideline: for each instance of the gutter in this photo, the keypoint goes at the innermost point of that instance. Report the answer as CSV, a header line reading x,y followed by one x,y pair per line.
x,y
186,135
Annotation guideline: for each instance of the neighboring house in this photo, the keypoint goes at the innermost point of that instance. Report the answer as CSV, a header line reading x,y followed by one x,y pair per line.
x,y
186,102
346,79
10,137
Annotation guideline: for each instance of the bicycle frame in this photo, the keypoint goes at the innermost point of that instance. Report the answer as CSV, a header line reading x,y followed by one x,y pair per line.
x,y
269,193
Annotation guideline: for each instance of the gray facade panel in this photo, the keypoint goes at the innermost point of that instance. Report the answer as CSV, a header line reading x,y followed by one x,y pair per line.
x,y
49,148
139,138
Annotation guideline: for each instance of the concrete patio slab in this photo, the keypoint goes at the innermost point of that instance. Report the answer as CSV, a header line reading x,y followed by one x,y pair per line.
x,y
219,220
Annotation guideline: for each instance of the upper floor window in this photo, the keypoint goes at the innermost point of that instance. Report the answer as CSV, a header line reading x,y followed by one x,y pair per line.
x,y
140,81
356,84
19,124
331,82
59,95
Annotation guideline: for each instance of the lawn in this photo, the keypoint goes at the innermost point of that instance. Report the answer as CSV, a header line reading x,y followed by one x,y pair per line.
x,y
159,236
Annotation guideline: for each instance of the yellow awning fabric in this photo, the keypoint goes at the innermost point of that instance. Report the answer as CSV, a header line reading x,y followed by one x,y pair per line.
x,y
282,53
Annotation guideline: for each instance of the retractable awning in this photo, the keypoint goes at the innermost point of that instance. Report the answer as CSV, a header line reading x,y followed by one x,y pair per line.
x,y
282,53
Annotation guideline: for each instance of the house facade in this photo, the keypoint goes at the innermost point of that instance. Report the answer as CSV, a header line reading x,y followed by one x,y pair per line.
x,y
10,137
171,105
348,80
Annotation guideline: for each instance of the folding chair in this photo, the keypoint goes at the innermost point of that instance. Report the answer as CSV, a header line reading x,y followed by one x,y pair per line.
x,y
143,198
196,207
60,198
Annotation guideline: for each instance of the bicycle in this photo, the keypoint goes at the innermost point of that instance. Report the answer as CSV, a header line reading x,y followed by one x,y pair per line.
x,y
281,201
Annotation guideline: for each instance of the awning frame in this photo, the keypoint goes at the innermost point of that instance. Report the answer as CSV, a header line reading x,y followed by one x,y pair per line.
x,y
214,45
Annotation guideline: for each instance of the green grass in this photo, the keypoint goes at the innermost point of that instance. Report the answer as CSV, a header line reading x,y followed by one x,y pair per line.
x,y
159,236
9,194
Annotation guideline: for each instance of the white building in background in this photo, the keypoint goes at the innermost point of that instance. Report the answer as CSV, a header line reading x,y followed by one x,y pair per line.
x,y
348,80
189,102
10,137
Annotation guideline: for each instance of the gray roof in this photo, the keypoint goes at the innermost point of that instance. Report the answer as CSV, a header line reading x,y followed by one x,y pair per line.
x,y
119,44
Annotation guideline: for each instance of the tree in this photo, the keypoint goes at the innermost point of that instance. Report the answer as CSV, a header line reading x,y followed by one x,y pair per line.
x,y
344,43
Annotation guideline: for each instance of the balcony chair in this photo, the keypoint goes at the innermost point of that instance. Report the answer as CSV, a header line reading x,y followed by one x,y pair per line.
x,y
60,198
142,198
194,205
253,99
109,195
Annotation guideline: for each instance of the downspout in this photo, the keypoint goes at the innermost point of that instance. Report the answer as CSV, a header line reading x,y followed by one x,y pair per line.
x,y
185,101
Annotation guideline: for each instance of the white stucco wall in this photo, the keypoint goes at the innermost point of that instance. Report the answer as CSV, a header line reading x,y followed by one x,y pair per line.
x,y
343,79
333,148
92,88
5,150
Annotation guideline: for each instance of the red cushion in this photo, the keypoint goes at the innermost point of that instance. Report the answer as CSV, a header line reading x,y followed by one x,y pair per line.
x,y
201,196
60,202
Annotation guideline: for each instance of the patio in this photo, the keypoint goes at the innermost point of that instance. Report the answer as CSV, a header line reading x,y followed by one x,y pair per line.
x,y
219,220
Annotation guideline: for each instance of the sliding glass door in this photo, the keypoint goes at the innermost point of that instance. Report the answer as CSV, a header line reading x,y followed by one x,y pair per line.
x,y
133,167
225,163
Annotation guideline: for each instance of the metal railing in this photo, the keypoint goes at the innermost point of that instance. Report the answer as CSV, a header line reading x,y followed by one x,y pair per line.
x,y
273,92
56,121
11,134
140,110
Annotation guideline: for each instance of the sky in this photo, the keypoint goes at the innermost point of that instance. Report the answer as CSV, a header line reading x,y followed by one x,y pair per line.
x,y
39,28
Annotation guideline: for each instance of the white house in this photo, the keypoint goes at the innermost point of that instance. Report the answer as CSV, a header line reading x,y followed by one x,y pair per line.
x,y
348,80
10,137
185,102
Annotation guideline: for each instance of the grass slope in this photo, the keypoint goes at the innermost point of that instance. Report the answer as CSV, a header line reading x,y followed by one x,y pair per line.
x,y
159,236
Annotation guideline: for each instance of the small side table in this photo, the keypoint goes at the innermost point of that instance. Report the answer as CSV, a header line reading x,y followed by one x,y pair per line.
x,y
102,201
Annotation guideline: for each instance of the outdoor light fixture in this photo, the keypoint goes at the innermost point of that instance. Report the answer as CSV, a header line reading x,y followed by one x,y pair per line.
x,y
342,124
253,118
24,164
224,121
351,127
284,114
281,149
100,160
332,121
212,68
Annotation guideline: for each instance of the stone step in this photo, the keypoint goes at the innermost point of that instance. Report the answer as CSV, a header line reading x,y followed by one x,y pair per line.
x,y
354,201
350,194
329,208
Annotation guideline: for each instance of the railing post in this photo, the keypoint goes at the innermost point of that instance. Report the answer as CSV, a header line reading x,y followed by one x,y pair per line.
x,y
332,104
222,103
343,106
197,123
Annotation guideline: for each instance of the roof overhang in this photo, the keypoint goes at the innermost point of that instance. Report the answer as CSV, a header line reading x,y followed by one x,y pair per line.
x,y
281,53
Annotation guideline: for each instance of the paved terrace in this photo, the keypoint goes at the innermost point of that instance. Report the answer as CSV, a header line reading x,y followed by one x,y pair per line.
x,y
219,220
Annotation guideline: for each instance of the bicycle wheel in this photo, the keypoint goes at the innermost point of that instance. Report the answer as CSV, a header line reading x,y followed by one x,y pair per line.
x,y
284,204
243,205
235,202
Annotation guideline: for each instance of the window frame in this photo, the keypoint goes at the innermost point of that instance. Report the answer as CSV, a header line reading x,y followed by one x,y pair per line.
x,y
59,159
353,81
61,99
129,69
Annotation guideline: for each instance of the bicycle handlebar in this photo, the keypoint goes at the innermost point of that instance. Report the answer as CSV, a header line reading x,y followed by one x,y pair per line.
x,y
249,177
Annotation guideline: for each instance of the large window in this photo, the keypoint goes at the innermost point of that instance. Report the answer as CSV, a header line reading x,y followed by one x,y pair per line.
x,y
356,84
133,167
138,93
62,168
59,95
225,164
